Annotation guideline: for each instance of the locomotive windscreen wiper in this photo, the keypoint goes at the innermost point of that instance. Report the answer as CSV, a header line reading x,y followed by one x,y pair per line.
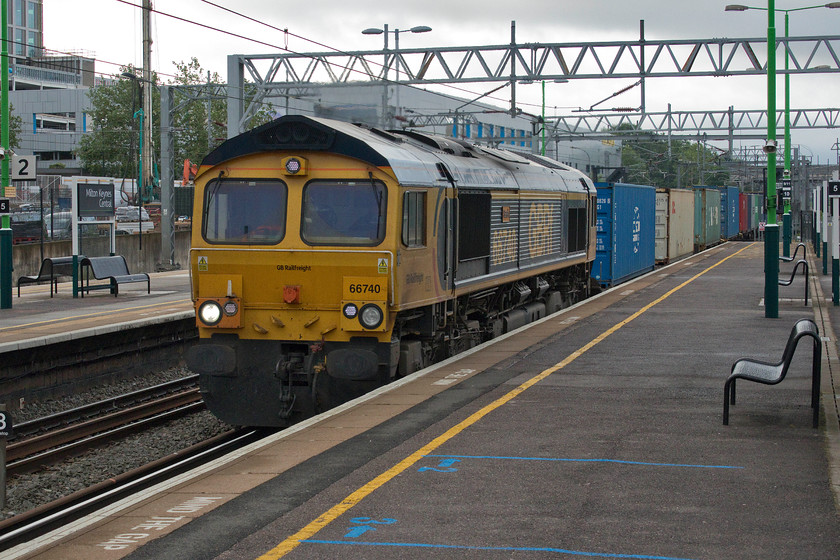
x,y
378,196
211,196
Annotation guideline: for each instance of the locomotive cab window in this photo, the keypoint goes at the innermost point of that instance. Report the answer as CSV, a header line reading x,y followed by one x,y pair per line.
x,y
343,213
414,219
241,211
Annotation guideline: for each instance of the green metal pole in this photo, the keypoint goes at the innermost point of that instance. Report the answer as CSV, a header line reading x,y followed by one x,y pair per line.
x,y
140,113
787,233
835,261
5,240
771,240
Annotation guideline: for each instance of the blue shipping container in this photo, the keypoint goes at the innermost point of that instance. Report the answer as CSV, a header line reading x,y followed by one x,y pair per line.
x,y
729,212
625,245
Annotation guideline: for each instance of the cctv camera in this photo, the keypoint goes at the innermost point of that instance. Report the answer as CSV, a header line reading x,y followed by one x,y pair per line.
x,y
2,153
770,147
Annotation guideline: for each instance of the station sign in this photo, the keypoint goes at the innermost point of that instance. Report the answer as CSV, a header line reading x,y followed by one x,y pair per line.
x,y
5,206
834,188
786,189
96,200
6,428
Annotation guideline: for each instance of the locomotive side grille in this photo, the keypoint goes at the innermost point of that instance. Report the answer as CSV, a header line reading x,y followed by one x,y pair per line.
x,y
541,236
504,229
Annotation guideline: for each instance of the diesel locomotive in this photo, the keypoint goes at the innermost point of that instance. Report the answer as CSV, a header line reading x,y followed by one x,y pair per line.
x,y
329,258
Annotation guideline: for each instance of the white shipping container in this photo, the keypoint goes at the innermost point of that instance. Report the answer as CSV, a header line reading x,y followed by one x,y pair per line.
x,y
674,224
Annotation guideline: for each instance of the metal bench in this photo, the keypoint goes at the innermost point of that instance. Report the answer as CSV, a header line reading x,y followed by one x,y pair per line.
x,y
771,374
795,252
789,281
114,269
51,269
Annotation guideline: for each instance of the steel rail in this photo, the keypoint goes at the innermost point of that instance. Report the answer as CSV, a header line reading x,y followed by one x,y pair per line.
x,y
34,523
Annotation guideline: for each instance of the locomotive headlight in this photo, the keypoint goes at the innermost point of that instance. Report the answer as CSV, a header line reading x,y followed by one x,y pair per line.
x,y
210,313
370,316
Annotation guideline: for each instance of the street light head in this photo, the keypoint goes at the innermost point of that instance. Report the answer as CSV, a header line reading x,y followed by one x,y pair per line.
x,y
129,75
736,8
426,28
833,5
372,31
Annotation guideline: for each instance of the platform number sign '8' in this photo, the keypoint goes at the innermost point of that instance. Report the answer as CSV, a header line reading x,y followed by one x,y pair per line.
x,y
5,425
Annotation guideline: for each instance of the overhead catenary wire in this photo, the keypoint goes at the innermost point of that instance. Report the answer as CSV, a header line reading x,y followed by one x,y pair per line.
x,y
290,51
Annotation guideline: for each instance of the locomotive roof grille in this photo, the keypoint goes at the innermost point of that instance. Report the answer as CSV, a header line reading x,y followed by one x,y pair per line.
x,y
297,135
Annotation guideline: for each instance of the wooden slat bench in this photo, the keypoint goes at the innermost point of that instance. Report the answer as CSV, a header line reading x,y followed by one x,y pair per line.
x,y
114,269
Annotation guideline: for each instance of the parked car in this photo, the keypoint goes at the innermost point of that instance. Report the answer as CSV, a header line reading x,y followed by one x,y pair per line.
x,y
131,214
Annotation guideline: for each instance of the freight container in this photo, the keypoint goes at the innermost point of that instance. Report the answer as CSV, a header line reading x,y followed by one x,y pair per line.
x,y
706,218
744,214
729,211
674,224
756,212
626,232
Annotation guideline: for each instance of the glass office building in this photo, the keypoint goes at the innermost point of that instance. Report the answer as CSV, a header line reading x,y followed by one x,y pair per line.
x,y
26,28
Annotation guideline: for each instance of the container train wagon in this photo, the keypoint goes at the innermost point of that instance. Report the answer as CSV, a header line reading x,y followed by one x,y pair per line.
x,y
729,212
328,258
706,218
751,210
674,224
626,232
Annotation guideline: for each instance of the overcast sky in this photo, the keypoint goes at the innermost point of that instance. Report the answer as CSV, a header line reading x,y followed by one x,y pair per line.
x,y
111,30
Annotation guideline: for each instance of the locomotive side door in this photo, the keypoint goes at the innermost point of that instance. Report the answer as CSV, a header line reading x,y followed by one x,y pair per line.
x,y
446,243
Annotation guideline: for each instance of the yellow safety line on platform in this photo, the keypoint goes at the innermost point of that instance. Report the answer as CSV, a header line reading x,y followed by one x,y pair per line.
x,y
347,503
97,314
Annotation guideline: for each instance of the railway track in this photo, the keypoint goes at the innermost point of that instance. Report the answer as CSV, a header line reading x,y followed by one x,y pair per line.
x,y
25,527
46,441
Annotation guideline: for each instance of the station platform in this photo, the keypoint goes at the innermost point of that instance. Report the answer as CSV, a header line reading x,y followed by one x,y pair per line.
x,y
36,319
593,433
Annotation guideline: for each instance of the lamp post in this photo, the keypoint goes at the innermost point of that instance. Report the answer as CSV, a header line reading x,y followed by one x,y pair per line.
x,y
786,218
396,32
771,243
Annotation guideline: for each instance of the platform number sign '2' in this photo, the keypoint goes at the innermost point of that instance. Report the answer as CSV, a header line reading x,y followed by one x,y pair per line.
x,y
23,168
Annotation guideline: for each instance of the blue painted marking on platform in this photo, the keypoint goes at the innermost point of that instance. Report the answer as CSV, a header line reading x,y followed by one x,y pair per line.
x,y
444,466
619,461
372,521
498,548
358,531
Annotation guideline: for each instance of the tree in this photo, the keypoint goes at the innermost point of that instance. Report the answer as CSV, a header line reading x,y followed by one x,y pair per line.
x,y
15,128
111,148
191,127
649,162
194,136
